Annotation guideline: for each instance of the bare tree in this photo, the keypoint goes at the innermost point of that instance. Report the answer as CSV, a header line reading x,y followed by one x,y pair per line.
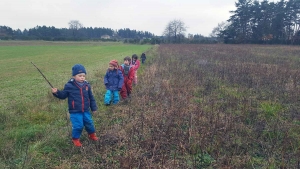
x,y
217,31
175,30
168,32
181,29
75,25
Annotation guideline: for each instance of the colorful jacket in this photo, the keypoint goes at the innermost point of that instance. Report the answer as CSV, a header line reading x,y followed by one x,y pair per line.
x,y
113,80
130,74
80,98
136,64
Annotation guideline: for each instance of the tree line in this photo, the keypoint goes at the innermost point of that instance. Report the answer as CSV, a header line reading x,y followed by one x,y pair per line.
x,y
75,32
253,21
262,22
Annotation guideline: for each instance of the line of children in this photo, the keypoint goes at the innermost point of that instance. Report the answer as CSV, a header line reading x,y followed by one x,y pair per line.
x,y
113,80
81,100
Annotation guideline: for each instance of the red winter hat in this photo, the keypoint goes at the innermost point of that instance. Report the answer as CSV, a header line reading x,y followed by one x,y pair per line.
x,y
114,63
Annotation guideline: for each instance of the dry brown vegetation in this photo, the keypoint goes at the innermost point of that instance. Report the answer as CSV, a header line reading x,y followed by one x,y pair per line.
x,y
210,106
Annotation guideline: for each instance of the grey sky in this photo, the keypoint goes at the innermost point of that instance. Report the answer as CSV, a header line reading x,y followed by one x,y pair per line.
x,y
200,16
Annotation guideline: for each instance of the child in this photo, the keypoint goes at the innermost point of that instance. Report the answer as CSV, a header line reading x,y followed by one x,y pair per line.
x,y
143,57
128,74
136,63
80,100
113,81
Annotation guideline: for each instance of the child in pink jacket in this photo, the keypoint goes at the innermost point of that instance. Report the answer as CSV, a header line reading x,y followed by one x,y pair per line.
x,y
136,64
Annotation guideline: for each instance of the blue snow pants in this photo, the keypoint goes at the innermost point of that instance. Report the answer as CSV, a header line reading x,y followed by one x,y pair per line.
x,y
80,120
108,97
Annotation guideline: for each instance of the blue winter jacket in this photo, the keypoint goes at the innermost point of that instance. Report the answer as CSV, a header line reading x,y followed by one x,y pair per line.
x,y
113,80
80,98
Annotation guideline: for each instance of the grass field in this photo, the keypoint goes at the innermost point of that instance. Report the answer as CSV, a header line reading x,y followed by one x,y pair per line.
x,y
23,83
196,106
26,112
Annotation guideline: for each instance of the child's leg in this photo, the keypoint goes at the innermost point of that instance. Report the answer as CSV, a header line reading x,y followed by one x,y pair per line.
x,y
128,88
123,91
116,97
107,97
77,124
135,77
88,122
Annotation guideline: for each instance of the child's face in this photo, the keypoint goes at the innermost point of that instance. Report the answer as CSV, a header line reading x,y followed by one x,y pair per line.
x,y
126,62
79,77
111,67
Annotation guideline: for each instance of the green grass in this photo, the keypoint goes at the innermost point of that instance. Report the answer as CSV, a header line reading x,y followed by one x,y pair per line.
x,y
34,125
23,83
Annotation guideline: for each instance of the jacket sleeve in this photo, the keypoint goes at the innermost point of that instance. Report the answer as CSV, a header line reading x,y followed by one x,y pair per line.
x,y
121,68
93,104
137,64
121,79
62,94
105,78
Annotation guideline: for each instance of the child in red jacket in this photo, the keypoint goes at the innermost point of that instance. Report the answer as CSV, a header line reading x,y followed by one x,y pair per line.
x,y
128,74
136,64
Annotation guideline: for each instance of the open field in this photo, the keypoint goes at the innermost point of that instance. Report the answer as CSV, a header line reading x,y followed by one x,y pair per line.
x,y
26,112
23,83
222,106
196,106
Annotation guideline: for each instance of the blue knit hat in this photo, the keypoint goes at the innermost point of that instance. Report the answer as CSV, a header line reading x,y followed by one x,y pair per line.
x,y
78,68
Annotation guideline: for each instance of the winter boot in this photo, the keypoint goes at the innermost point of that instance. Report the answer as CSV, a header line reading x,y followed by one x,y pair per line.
x,y
77,142
93,137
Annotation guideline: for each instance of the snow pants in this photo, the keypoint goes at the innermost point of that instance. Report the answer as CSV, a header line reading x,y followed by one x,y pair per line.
x,y
79,121
126,88
108,97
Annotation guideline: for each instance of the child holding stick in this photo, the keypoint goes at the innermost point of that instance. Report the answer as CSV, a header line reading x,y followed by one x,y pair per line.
x,y
80,101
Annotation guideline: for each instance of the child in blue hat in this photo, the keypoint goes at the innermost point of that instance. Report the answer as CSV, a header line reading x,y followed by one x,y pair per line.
x,y
80,101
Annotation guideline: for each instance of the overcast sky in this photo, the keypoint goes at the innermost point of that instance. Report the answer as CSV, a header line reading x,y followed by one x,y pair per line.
x,y
199,16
